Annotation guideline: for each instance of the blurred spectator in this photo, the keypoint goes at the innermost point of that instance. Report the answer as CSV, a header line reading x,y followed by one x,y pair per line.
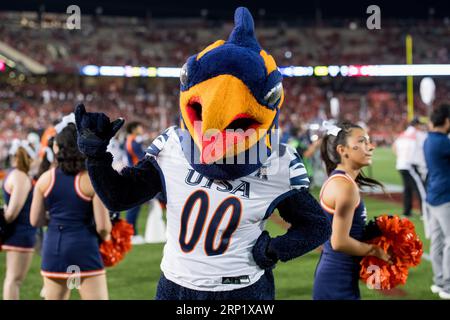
x,y
135,152
404,147
170,42
437,153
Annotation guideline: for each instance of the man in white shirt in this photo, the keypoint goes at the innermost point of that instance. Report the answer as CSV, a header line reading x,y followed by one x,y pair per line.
x,y
410,163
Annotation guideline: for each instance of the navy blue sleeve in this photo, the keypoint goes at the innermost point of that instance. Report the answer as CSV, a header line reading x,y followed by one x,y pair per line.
x,y
309,226
127,189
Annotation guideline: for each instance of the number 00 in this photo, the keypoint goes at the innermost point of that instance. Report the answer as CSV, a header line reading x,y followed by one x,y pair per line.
x,y
187,245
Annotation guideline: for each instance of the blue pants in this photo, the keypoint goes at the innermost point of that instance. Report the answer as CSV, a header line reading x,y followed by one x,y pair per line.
x,y
132,216
263,289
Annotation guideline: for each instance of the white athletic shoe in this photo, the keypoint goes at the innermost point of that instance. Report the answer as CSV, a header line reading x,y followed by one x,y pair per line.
x,y
137,240
435,289
444,295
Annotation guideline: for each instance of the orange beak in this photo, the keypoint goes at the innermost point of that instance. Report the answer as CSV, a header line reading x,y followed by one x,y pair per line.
x,y
223,117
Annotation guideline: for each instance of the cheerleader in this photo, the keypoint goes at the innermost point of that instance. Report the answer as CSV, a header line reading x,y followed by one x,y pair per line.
x,y
346,149
20,235
77,222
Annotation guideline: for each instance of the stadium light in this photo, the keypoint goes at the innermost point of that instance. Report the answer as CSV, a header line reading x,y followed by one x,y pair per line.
x,y
152,72
168,72
7,62
134,71
321,71
389,70
380,70
90,70
113,71
296,71
333,70
344,71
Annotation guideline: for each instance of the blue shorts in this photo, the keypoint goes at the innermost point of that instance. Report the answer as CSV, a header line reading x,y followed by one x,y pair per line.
x,y
336,278
19,237
263,289
71,249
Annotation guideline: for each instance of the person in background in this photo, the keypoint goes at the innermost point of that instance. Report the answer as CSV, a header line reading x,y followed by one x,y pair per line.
x,y
120,157
437,156
418,162
135,152
48,133
20,236
77,220
404,148
345,150
306,147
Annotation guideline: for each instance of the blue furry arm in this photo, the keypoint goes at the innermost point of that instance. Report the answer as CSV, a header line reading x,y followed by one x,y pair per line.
x,y
309,227
127,189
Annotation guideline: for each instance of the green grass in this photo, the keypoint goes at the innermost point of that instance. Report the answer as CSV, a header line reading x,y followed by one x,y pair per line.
x,y
294,279
137,275
383,167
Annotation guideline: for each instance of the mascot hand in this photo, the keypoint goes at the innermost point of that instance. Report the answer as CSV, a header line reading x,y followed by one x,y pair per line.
x,y
371,231
261,253
94,131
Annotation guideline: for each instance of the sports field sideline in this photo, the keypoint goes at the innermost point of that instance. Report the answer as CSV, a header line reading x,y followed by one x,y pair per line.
x,y
136,277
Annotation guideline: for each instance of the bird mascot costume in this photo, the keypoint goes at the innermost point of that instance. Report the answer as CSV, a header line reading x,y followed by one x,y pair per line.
x,y
222,172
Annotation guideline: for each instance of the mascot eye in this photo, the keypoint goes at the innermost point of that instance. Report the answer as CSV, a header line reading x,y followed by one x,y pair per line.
x,y
274,95
184,75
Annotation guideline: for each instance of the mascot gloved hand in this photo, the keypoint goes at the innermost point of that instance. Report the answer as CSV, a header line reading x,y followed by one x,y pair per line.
x,y
264,258
94,131
223,173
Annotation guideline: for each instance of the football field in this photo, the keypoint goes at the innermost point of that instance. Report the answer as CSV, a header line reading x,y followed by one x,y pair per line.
x,y
137,275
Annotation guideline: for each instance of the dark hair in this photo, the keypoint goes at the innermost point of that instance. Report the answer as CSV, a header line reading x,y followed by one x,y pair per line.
x,y
415,122
70,159
45,164
133,125
440,114
332,158
23,160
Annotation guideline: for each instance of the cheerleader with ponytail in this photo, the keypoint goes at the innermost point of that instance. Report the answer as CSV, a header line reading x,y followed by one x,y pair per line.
x,y
20,237
77,219
47,159
345,149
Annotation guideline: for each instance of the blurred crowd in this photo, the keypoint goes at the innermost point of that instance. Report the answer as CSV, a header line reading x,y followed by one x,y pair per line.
x,y
32,104
32,107
153,42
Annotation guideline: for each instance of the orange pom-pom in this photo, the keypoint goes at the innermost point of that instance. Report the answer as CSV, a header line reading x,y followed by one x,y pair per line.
x,y
114,250
400,240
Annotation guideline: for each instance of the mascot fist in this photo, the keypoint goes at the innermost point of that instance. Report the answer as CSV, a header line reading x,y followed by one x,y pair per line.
x,y
261,253
94,131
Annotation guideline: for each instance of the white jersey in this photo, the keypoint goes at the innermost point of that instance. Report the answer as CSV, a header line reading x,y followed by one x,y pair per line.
x,y
213,225
419,155
405,146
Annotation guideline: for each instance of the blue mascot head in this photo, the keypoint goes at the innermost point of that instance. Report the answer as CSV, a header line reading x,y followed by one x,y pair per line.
x,y
231,95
